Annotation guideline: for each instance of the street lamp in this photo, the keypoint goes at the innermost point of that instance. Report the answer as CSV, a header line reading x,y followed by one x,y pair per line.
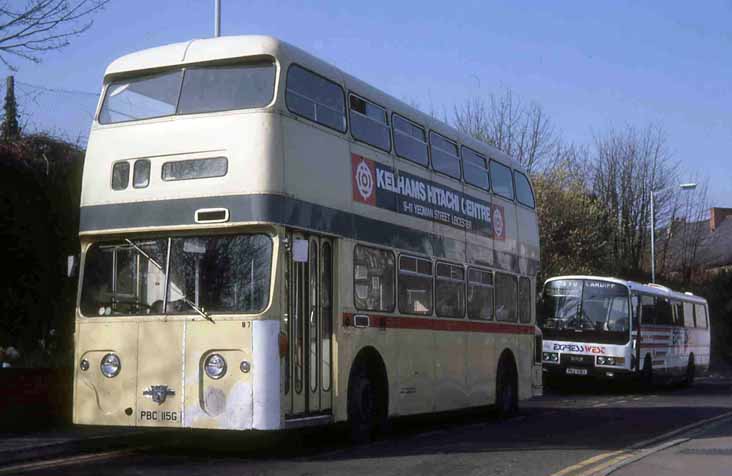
x,y
683,186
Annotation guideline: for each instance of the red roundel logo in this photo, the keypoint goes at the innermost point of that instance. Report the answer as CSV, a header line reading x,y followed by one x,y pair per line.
x,y
363,179
499,226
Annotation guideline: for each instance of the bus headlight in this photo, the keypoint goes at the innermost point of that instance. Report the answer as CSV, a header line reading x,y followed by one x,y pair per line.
x,y
215,366
550,357
110,365
613,361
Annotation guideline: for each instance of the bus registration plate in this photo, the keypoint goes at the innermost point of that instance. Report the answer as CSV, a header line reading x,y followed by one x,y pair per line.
x,y
571,371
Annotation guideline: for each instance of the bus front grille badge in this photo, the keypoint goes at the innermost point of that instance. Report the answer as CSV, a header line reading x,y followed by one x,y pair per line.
x,y
158,393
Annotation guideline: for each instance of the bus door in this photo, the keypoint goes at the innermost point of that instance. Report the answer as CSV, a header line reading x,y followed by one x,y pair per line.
x,y
310,324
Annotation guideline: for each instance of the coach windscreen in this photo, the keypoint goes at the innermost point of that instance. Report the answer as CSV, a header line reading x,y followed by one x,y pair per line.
x,y
583,310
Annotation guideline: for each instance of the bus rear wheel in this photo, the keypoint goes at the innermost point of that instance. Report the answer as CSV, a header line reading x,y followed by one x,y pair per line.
x,y
506,389
362,407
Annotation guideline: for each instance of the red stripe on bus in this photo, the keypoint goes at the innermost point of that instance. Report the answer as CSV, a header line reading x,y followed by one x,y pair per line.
x,y
437,324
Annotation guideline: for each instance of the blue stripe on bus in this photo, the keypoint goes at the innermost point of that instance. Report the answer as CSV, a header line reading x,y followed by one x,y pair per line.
x,y
289,212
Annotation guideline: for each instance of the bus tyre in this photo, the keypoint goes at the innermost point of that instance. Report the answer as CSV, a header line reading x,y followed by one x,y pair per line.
x,y
362,407
506,390
690,372
647,373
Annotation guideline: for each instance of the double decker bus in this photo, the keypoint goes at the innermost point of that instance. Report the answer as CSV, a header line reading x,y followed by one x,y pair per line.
x,y
610,328
268,242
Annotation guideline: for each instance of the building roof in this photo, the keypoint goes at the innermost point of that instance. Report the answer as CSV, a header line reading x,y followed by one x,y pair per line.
x,y
714,248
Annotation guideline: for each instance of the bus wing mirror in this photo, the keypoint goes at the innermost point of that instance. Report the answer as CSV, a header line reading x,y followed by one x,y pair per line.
x,y
300,251
72,266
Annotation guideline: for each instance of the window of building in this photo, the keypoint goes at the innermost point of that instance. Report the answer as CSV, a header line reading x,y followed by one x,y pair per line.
x,y
410,140
524,194
524,304
480,294
502,180
475,169
450,290
506,297
369,123
445,157
373,279
415,285
315,98
120,175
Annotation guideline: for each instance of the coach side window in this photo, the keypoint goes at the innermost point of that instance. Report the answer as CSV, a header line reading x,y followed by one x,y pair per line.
x,y
648,310
449,290
688,314
369,123
524,195
445,157
664,314
480,294
701,316
475,169
502,180
678,313
524,297
415,285
635,309
410,140
315,98
373,279
506,297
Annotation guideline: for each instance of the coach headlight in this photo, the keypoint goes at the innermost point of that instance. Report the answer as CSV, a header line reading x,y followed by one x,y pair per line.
x,y
550,357
215,366
110,365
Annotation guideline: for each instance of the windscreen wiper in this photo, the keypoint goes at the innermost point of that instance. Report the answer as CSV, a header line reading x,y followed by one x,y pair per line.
x,y
185,299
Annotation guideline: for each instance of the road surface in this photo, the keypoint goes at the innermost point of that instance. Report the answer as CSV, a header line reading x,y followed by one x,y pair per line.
x,y
583,430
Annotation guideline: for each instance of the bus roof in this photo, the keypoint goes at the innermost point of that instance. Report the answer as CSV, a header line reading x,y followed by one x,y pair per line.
x,y
231,47
654,289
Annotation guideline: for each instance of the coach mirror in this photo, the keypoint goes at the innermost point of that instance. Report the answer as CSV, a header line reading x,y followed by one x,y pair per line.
x,y
300,251
72,266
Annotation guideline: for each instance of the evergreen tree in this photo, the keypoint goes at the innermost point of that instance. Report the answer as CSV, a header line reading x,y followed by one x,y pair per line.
x,y
10,129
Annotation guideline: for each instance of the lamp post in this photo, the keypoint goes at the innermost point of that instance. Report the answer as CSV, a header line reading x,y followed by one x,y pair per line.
x,y
683,186
217,18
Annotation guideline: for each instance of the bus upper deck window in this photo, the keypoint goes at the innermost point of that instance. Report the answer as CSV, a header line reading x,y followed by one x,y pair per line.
x,y
316,98
502,180
410,140
475,169
120,175
369,123
524,194
445,157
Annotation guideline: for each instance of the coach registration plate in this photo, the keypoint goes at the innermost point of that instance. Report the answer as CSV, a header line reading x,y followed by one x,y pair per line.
x,y
571,371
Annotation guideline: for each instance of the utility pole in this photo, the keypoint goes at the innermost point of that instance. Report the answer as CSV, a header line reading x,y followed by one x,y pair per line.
x,y
217,18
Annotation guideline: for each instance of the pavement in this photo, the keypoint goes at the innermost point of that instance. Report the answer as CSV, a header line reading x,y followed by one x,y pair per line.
x,y
707,451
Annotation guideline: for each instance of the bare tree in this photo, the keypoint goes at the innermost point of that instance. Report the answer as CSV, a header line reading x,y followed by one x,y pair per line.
x,y
628,165
32,27
521,130
686,230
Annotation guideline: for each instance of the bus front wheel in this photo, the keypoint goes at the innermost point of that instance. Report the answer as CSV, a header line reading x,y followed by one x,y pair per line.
x,y
690,372
506,388
362,408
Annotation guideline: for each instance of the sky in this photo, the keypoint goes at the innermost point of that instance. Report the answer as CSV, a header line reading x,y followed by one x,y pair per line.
x,y
592,66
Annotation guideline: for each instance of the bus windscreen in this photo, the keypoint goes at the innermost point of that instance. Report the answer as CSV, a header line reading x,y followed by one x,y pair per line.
x,y
188,91
584,310
222,274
